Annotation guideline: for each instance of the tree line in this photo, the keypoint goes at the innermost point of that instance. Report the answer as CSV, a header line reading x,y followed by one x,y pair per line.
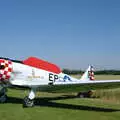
x,y
99,72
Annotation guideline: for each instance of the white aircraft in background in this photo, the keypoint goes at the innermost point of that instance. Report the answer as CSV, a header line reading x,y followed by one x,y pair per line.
x,y
34,73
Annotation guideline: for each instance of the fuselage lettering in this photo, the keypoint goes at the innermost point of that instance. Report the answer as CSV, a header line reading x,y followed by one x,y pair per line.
x,y
52,77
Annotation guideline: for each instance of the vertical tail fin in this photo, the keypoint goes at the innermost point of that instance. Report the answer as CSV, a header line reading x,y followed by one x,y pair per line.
x,y
89,74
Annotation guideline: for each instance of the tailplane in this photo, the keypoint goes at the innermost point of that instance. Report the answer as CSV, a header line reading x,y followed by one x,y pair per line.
x,y
88,75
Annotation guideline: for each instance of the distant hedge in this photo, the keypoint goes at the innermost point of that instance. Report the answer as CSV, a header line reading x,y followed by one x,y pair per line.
x,y
108,72
100,72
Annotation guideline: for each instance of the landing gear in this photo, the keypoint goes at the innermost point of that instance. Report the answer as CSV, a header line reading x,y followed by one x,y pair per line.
x,y
28,101
80,95
3,96
87,94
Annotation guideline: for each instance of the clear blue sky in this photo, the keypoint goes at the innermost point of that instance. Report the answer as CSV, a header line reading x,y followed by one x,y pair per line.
x,y
70,33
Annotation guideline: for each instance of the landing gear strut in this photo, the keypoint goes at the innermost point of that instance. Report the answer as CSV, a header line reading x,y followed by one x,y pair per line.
x,y
28,101
3,96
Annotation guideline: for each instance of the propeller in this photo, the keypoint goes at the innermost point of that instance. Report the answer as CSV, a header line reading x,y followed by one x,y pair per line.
x,y
5,69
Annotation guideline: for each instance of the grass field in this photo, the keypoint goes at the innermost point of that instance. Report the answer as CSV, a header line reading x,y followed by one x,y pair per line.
x,y
107,77
63,106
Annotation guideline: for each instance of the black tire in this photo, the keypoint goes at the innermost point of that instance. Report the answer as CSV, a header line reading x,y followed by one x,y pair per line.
x,y
80,95
3,98
27,102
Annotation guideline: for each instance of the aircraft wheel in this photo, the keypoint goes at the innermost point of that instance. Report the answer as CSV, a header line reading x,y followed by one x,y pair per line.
x,y
87,94
27,102
3,98
80,95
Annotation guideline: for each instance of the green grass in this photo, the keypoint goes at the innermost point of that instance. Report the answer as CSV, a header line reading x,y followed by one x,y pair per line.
x,y
107,77
58,107
63,106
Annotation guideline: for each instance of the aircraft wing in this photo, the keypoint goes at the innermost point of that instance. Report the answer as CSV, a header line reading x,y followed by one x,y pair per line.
x,y
86,83
82,86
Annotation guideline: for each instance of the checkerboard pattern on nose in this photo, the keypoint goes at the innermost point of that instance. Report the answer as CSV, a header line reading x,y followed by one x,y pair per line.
x,y
5,69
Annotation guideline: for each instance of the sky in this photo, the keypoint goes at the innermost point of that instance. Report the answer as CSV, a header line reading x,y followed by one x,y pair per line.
x,y
70,33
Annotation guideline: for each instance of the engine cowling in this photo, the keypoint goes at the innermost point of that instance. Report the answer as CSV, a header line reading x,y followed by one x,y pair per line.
x,y
6,69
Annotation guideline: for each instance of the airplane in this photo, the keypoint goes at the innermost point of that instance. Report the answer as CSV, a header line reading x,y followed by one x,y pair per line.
x,y
37,74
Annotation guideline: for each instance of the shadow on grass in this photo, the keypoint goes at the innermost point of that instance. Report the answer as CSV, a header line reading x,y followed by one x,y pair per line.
x,y
48,102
